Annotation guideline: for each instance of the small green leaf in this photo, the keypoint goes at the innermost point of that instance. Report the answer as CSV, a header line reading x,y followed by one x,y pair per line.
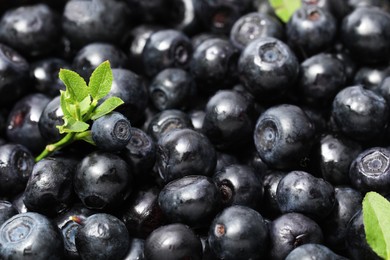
x,y
106,107
75,85
101,81
84,105
376,212
64,104
71,125
284,9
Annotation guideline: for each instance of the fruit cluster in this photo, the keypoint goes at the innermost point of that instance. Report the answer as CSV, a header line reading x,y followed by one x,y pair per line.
x,y
214,131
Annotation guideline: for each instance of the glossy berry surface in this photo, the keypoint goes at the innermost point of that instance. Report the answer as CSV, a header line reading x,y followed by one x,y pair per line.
x,y
111,132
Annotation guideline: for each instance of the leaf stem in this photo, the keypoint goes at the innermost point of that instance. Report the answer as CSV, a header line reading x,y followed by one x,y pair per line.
x,y
90,110
51,148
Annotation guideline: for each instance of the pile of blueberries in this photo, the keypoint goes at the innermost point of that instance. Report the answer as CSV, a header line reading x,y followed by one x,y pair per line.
x,y
249,138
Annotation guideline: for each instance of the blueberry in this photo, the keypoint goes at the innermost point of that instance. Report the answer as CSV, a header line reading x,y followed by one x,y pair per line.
x,y
197,118
44,74
50,118
141,212
93,54
48,192
365,34
255,25
224,160
13,75
85,22
136,250
267,67
102,180
166,121
183,152
311,30
140,153
337,153
111,132
384,89
173,241
371,77
166,49
16,165
322,77
131,88
283,136
301,192
30,236
348,203
192,200
7,210
270,184
291,230
102,236
214,65
360,113
172,88
238,232
69,228
228,121
370,170
239,185
310,251
32,30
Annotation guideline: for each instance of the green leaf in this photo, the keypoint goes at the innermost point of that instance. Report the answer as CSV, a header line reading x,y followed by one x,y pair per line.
x,y
106,107
86,136
84,105
376,219
101,81
76,87
64,104
284,9
71,125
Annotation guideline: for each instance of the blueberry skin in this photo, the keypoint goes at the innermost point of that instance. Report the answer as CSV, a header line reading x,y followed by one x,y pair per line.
x,y
384,89
219,16
166,49
7,210
213,65
311,30
16,165
30,236
321,78
102,236
197,118
22,122
111,132
337,153
192,200
339,9
224,160
172,88
141,212
370,170
183,152
313,251
356,243
85,22
371,77
301,192
270,185
166,121
365,34
48,192
228,121
360,113
348,202
93,54
283,136
14,80
173,241
238,232
255,25
102,180
131,88
140,153
32,30
239,185
291,230
44,74
136,250
267,67
50,118
18,203
69,228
